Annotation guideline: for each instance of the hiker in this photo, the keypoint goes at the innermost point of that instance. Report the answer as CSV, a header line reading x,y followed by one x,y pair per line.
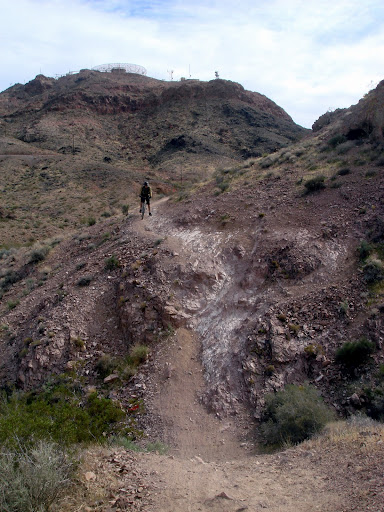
x,y
145,196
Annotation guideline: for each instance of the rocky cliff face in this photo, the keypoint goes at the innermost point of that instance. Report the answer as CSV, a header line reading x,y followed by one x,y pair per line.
x,y
364,121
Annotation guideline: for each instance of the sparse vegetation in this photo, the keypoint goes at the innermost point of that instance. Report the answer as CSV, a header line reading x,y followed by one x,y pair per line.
x,y
294,414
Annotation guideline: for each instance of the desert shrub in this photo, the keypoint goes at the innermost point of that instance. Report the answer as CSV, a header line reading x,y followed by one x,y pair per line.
x,y
345,147
344,171
313,350
111,263
315,184
126,443
60,413
106,365
11,304
32,479
373,271
374,401
223,186
91,221
364,250
337,140
343,308
38,253
125,209
266,162
11,277
85,280
294,329
354,353
138,354
125,366
293,415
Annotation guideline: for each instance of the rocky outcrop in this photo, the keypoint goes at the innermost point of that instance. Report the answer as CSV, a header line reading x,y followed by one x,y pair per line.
x,y
364,121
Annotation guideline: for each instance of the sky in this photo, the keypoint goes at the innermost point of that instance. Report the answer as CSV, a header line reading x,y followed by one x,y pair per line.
x,y
308,56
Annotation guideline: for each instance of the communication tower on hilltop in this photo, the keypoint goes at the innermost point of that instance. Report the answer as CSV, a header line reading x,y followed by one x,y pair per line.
x,y
121,68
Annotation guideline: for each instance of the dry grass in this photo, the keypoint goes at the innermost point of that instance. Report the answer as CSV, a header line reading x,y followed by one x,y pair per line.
x,y
357,435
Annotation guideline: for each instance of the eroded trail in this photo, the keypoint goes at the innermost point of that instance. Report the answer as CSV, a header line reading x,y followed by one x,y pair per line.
x,y
212,464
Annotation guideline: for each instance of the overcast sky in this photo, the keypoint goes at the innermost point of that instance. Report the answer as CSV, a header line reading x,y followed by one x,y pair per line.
x,y
308,56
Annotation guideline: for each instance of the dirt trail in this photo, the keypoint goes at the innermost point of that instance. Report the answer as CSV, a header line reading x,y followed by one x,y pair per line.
x,y
212,464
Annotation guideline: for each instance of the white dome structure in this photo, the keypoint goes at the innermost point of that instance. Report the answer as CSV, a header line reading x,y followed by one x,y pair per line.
x,y
121,68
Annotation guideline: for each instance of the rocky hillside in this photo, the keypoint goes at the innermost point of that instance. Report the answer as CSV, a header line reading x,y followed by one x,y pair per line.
x,y
132,118
268,273
272,303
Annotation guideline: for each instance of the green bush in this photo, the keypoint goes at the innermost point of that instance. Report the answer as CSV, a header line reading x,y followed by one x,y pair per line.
x,y
364,250
138,354
106,365
111,263
337,140
32,479
373,271
314,184
10,278
61,413
354,353
85,280
293,415
38,253
374,401
344,171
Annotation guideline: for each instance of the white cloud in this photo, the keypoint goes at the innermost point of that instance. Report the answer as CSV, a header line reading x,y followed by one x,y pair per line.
x,y
306,55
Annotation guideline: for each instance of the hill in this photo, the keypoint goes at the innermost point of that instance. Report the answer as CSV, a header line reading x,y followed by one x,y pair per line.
x,y
268,273
132,117
85,142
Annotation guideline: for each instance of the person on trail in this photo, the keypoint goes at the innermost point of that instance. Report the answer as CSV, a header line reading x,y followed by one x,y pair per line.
x,y
145,196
